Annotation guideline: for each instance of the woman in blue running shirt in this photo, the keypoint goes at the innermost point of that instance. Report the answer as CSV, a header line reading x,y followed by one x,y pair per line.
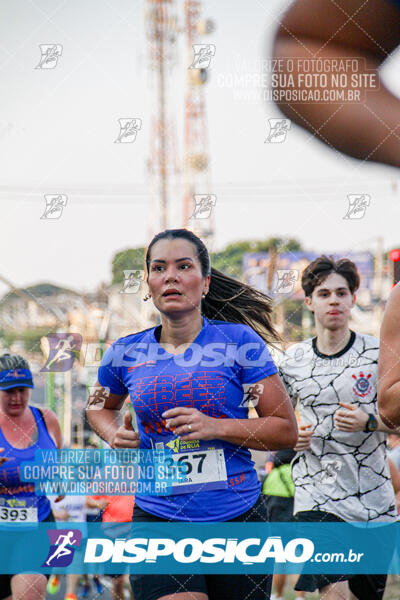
x,y
189,380
24,429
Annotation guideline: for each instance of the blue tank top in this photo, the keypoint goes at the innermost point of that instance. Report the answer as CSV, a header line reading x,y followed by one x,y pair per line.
x,y
11,486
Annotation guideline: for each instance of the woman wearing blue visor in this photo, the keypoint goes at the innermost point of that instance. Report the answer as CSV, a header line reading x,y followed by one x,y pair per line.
x,y
23,430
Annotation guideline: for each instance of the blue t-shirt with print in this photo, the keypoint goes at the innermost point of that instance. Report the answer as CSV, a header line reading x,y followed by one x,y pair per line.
x,y
208,376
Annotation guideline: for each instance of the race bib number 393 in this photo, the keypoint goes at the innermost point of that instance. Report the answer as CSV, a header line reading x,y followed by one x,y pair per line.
x,y
18,515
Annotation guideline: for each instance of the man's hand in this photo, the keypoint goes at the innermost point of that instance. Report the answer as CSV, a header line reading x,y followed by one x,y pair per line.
x,y
126,436
304,439
350,418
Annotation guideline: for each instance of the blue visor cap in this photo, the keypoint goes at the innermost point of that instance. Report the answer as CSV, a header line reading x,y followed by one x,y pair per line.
x,y
11,378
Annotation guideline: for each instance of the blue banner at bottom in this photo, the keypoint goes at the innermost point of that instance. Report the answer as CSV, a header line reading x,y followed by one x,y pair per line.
x,y
149,548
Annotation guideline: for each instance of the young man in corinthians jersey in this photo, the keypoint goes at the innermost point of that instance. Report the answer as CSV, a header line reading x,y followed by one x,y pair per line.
x,y
341,470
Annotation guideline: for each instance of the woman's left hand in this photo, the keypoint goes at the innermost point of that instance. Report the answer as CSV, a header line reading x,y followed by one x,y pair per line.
x,y
191,424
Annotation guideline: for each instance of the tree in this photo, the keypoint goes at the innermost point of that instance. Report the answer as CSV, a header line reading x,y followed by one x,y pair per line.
x,y
229,260
129,259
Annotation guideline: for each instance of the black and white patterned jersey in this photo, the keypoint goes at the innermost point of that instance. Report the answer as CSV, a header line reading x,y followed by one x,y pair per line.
x,y
345,473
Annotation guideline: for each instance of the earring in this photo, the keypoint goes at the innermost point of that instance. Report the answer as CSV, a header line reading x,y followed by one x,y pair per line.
x,y
147,297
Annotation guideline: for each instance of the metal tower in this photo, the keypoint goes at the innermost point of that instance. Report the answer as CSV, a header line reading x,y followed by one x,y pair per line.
x,y
161,26
197,179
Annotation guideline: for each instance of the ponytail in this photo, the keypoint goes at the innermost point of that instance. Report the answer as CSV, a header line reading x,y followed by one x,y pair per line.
x,y
236,302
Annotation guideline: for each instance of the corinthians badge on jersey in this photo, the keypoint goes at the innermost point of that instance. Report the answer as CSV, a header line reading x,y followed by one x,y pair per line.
x,y
362,386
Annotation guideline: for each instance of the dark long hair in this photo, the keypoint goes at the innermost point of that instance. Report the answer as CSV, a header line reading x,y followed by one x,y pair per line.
x,y
227,299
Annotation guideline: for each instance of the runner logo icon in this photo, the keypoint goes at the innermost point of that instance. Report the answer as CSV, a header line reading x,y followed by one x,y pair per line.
x,y
358,204
330,470
128,129
204,204
61,349
61,551
278,129
251,394
203,54
50,53
55,204
133,279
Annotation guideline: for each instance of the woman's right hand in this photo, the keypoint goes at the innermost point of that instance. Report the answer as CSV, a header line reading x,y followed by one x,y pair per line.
x,y
126,436
304,439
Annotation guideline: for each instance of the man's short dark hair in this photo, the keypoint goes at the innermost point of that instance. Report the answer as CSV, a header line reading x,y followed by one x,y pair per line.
x,y
319,269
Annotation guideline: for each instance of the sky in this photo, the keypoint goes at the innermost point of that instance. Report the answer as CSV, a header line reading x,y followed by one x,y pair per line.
x,y
58,127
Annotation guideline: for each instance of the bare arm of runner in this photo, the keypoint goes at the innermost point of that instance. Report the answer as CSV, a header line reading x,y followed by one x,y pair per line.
x,y
106,420
276,428
395,475
389,363
367,129
53,427
99,503
353,418
61,514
